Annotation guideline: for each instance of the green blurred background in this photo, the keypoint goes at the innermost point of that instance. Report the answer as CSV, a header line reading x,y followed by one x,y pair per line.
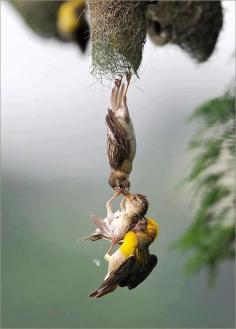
x,y
54,176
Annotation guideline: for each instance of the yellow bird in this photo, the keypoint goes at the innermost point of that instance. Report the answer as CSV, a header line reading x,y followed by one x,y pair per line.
x,y
132,262
72,24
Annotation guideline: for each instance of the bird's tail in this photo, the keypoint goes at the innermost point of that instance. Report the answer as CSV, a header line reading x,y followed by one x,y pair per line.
x,y
115,278
103,227
103,230
108,286
106,290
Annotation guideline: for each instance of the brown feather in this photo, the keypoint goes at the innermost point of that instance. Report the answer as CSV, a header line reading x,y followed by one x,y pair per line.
x,y
118,144
114,279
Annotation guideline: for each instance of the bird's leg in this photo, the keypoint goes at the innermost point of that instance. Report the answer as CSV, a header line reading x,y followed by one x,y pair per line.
x,y
118,81
122,98
107,257
113,242
115,93
122,205
109,206
125,106
113,99
128,78
124,89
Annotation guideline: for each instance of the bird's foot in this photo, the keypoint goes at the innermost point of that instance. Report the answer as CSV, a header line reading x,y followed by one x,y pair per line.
x,y
113,242
118,191
107,257
118,81
128,78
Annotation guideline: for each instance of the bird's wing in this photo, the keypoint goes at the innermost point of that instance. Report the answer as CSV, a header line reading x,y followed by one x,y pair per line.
x,y
114,279
103,226
118,142
103,231
140,273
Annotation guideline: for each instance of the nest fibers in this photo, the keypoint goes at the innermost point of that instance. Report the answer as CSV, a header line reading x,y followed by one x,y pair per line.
x,y
118,36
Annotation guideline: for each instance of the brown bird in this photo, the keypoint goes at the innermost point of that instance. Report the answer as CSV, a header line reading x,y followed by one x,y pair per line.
x,y
114,227
121,141
132,263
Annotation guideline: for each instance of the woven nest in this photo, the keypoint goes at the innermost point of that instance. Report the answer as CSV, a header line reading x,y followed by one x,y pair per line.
x,y
193,25
118,33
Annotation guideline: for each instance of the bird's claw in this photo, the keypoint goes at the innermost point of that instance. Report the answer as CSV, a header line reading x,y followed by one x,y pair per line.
x,y
118,81
118,190
128,77
113,241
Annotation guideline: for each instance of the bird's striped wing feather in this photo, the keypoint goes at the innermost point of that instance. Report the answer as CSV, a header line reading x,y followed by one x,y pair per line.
x,y
118,143
114,279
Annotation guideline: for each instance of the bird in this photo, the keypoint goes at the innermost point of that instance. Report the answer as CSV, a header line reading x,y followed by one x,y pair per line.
x,y
64,21
114,227
121,140
104,225
132,263
72,24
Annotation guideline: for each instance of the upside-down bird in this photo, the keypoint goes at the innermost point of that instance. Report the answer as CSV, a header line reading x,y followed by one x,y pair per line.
x,y
132,263
121,141
114,227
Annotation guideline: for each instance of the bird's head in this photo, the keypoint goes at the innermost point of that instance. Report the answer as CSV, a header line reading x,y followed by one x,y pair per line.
x,y
136,203
147,230
141,225
119,180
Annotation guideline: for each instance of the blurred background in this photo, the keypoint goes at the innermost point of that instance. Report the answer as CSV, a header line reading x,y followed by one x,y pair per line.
x,y
54,176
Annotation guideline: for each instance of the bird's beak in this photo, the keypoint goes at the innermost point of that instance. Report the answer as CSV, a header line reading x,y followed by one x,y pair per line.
x,y
128,196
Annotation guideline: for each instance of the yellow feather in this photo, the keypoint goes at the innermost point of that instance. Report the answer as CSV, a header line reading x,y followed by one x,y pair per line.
x,y
153,226
68,18
129,245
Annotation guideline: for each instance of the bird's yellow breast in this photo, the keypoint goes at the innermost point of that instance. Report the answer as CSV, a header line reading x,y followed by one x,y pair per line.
x,y
129,245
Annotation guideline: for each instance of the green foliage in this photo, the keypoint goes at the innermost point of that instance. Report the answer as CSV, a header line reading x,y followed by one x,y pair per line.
x,y
211,237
